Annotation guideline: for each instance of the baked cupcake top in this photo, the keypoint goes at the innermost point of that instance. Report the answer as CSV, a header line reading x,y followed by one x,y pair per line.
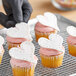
x,y
1,43
72,32
20,31
25,52
53,45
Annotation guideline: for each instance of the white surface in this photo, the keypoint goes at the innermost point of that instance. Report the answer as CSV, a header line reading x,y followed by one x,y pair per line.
x,y
48,19
71,30
24,52
21,30
3,31
54,42
1,41
73,74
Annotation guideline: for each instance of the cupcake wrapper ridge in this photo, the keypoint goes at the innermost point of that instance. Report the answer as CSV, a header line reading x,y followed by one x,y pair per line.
x,y
72,49
52,61
23,71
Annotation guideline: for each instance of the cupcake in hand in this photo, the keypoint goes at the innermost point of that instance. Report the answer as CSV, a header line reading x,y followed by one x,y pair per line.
x,y
23,60
46,25
51,51
71,40
18,34
1,48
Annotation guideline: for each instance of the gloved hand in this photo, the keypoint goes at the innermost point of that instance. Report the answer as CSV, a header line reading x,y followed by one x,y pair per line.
x,y
17,11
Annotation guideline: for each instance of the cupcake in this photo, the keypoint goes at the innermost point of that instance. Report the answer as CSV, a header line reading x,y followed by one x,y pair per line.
x,y
23,61
71,40
1,48
51,51
67,3
18,34
46,25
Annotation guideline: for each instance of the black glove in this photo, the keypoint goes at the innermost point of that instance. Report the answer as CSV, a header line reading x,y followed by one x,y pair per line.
x,y
17,11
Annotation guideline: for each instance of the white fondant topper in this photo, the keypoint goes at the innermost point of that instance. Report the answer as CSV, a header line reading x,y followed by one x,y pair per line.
x,y
54,42
1,41
71,30
32,21
49,19
24,52
21,30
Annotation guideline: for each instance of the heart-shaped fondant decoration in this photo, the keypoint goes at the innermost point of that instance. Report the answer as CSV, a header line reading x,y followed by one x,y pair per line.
x,y
24,52
54,42
21,30
71,30
32,22
49,19
1,41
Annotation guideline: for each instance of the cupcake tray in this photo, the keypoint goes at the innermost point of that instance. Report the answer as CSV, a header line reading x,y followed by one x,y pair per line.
x,y
69,62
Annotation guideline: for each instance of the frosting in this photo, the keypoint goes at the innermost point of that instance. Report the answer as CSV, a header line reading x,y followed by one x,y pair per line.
x,y
71,40
40,27
21,30
49,19
54,42
21,63
71,30
24,52
1,41
16,40
49,52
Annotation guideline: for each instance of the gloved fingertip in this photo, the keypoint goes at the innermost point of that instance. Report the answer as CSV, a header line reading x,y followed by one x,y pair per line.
x,y
10,24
